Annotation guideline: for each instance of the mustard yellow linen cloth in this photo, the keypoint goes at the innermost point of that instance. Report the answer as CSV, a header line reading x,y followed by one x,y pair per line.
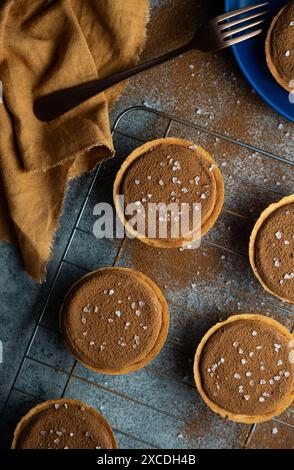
x,y
46,45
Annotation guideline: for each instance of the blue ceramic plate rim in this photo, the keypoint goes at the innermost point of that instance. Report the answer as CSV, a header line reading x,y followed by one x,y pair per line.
x,y
230,5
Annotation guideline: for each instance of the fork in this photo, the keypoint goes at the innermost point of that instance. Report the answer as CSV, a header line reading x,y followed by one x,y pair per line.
x,y
214,35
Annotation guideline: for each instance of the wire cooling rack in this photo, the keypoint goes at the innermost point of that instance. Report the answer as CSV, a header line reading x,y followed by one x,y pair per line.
x,y
137,125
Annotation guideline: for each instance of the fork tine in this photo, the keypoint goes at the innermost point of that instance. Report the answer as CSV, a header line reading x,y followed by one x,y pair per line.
x,y
230,24
231,42
240,11
242,28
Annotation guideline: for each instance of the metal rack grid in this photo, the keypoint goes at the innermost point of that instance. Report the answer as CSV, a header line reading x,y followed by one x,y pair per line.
x,y
169,122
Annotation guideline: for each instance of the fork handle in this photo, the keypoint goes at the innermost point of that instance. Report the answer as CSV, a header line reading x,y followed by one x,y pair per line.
x,y
55,104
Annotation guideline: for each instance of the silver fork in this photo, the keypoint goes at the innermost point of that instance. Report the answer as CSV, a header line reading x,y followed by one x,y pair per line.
x,y
214,35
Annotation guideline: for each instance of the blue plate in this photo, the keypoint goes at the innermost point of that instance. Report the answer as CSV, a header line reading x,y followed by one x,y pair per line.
x,y
250,56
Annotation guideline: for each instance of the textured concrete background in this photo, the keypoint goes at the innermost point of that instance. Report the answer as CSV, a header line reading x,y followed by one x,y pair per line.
x,y
159,406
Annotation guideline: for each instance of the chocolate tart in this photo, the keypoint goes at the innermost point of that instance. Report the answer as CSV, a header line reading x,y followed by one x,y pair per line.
x,y
114,320
279,47
63,424
271,249
170,170
244,368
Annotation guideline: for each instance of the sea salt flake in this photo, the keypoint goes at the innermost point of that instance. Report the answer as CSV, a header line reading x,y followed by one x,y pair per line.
x,y
118,313
287,374
246,397
277,346
254,333
235,344
243,361
141,303
236,376
56,406
241,351
92,343
248,374
261,399
84,320
287,54
111,292
262,382
86,309
56,441
271,381
280,362
275,431
278,235
277,378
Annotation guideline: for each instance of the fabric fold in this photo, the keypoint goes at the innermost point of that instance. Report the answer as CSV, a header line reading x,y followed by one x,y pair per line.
x,y
46,45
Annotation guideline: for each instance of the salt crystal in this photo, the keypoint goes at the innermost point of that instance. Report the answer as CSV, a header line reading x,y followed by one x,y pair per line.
x,y
237,376
278,235
275,431
254,333
261,399
262,382
203,196
248,374
56,406
118,313
277,378
111,292
141,303
235,344
280,362
246,397
287,54
137,182
287,374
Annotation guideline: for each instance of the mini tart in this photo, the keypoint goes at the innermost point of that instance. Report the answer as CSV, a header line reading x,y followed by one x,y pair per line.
x,y
63,424
271,249
114,320
244,368
170,170
279,47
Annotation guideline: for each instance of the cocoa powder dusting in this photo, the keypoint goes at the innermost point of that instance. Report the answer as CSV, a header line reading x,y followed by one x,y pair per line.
x,y
245,368
111,319
170,173
282,43
65,426
274,252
